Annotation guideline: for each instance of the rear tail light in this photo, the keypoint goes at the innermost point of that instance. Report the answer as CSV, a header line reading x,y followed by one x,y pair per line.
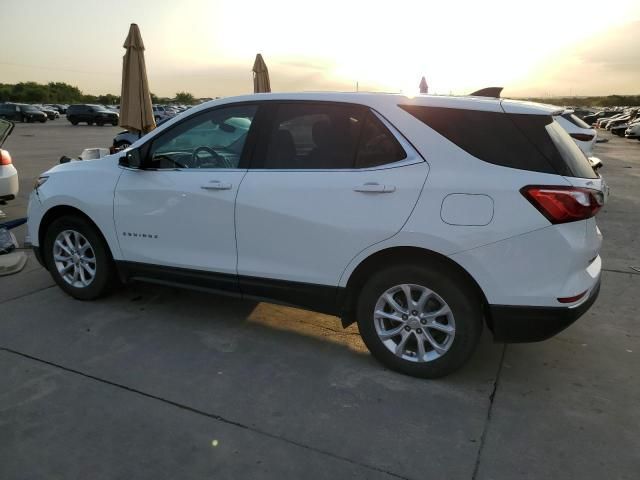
x,y
5,158
583,137
564,204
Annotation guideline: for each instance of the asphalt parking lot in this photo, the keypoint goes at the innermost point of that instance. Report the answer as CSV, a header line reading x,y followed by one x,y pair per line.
x,y
159,383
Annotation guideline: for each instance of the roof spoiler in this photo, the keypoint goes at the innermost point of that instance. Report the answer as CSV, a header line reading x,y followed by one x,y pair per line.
x,y
493,92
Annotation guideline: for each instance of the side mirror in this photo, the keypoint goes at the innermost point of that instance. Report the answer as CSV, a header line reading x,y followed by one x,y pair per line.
x,y
131,159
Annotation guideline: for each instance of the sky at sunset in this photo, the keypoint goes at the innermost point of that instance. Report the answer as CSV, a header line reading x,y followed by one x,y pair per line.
x,y
535,48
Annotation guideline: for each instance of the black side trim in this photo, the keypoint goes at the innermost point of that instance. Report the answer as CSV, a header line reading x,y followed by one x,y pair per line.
x,y
532,324
319,298
179,277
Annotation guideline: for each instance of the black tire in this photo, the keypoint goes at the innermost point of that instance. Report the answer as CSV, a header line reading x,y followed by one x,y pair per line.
x,y
74,122
114,123
104,278
100,124
42,120
462,298
122,144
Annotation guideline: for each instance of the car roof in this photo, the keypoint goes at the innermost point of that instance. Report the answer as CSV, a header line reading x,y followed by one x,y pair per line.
x,y
374,100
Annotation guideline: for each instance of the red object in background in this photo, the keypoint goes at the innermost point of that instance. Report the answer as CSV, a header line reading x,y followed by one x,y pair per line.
x,y
5,157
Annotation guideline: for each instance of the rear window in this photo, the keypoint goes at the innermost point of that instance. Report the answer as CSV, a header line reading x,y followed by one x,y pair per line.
x,y
577,121
511,140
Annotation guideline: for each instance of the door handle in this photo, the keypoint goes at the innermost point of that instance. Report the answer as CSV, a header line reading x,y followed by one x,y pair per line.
x,y
374,188
217,185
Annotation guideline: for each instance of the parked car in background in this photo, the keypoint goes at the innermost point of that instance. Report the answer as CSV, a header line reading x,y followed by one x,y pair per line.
x,y
21,112
51,113
581,113
619,127
633,130
582,134
422,219
8,174
619,119
160,112
90,114
126,138
599,116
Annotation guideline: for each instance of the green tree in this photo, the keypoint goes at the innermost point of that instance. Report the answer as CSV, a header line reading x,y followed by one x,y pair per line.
x,y
185,97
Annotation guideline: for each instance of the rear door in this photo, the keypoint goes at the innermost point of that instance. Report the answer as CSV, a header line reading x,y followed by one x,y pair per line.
x,y
328,180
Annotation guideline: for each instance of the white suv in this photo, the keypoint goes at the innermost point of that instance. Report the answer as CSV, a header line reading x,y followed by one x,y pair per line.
x,y
420,218
584,136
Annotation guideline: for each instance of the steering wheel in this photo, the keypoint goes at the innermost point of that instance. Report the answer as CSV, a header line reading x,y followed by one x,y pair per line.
x,y
216,161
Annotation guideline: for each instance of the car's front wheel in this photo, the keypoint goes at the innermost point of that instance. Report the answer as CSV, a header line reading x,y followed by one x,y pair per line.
x,y
419,320
78,258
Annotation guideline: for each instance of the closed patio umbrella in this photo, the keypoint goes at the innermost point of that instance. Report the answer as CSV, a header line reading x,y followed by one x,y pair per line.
x,y
136,112
424,88
260,76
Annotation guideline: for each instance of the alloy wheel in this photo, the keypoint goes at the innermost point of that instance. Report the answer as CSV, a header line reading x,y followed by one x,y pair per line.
x,y
74,258
414,323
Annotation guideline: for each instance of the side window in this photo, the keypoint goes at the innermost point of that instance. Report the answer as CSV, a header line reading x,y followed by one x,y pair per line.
x,y
214,139
510,140
314,136
377,146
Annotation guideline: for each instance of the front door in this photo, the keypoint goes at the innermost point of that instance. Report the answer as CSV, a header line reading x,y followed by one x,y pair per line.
x,y
178,211
332,181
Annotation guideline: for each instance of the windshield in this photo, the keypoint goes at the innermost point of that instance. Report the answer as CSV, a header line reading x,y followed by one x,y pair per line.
x,y
574,157
30,108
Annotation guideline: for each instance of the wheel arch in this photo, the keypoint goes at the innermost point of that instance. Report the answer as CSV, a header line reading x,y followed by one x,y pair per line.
x,y
60,211
393,256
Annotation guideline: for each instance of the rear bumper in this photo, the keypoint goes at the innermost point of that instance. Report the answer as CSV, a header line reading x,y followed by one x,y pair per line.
x,y
8,182
517,324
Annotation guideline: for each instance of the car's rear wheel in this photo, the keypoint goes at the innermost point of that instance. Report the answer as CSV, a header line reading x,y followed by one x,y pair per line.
x,y
421,321
122,144
74,122
78,258
114,123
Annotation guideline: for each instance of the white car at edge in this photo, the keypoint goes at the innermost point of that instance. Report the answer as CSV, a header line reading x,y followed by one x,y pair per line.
x,y
584,135
8,174
422,219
